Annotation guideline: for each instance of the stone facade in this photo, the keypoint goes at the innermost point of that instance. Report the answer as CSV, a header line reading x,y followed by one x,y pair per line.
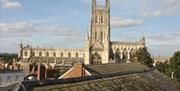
x,y
98,47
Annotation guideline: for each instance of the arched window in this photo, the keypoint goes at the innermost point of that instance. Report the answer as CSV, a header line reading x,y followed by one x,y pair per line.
x,y
96,58
77,55
69,54
102,20
96,18
40,53
33,53
25,53
54,54
95,35
101,35
62,54
47,54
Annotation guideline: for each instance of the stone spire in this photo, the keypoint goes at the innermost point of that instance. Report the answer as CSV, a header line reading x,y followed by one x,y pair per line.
x,y
93,4
107,4
142,40
87,36
21,45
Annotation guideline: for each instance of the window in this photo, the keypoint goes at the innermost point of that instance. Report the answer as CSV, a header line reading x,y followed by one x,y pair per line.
x,y
54,54
102,20
47,54
77,55
25,53
95,35
101,35
96,18
69,54
62,54
40,53
33,53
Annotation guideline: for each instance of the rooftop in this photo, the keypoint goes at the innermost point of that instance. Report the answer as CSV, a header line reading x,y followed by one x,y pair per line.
x,y
124,43
115,68
109,78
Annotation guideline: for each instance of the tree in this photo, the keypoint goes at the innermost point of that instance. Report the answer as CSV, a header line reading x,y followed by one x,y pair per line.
x,y
144,57
8,58
174,65
163,67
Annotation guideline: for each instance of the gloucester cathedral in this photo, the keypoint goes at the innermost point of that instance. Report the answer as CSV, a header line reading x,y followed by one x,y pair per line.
x,y
99,49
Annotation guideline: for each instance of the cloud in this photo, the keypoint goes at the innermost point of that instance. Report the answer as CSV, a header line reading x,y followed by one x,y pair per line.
x,y
16,29
125,22
159,7
38,33
26,29
8,4
56,30
166,38
153,13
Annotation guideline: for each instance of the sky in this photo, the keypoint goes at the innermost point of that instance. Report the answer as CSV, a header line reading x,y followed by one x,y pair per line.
x,y
64,23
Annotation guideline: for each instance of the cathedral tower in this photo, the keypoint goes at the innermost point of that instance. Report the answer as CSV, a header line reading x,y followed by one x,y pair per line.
x,y
98,41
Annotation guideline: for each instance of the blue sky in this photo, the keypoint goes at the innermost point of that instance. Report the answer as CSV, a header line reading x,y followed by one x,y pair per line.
x,y
64,23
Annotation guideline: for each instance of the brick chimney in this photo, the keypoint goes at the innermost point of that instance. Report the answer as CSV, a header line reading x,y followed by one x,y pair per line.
x,y
41,72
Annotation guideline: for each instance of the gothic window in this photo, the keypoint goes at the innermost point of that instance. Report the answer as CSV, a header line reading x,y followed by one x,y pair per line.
x,y
40,53
102,19
96,58
96,18
117,55
104,35
101,35
62,54
33,53
95,35
47,54
25,53
77,55
69,54
54,54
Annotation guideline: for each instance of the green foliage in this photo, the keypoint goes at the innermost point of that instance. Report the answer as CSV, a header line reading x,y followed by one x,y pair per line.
x,y
163,67
144,57
8,58
173,66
